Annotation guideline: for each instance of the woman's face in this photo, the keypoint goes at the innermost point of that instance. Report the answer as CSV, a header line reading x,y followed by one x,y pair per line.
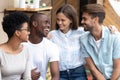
x,y
63,22
24,32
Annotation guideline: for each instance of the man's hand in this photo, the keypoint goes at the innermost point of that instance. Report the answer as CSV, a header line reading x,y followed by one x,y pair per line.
x,y
35,74
113,29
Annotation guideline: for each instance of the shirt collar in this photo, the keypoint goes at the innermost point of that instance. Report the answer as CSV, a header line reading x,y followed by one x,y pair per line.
x,y
65,34
103,34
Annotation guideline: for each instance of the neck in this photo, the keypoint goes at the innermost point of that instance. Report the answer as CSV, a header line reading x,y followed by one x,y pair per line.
x,y
13,44
65,31
35,39
97,33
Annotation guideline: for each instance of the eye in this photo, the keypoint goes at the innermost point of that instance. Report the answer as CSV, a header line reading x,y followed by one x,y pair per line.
x,y
63,20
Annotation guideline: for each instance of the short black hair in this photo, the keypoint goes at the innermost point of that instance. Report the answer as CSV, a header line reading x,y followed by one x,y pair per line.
x,y
34,17
13,22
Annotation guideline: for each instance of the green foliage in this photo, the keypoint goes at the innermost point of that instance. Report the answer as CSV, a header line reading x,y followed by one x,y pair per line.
x,y
31,1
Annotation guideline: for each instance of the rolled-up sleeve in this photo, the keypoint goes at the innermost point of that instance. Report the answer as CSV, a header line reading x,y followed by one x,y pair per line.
x,y
116,50
84,51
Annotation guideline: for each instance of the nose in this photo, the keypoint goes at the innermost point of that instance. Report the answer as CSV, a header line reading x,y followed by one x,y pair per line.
x,y
82,21
28,32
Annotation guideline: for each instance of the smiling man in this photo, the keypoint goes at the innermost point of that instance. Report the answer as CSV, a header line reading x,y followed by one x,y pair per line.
x,y
101,49
42,50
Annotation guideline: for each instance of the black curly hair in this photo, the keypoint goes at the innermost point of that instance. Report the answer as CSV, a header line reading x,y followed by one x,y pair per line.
x,y
13,22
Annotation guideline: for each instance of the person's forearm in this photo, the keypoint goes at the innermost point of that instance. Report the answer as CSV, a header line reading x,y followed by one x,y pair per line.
x,y
97,74
116,69
55,75
115,75
55,78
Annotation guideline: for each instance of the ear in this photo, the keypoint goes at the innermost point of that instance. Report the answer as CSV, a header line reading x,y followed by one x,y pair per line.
x,y
96,19
17,33
34,23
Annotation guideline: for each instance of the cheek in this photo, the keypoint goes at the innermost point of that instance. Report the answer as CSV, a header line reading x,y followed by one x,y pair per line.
x,y
39,29
87,22
67,23
24,37
90,23
58,22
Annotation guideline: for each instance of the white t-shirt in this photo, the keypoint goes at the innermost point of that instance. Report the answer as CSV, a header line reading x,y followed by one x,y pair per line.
x,y
41,54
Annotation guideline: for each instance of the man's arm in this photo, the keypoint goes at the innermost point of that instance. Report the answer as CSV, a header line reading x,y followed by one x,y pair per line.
x,y
116,69
54,69
96,73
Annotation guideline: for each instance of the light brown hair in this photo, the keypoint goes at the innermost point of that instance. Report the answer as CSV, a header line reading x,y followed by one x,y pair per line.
x,y
95,10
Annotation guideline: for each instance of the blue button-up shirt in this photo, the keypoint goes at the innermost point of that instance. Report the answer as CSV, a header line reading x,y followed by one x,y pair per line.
x,y
108,51
69,47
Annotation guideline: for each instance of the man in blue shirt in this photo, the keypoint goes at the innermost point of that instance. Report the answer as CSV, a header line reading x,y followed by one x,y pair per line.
x,y
100,48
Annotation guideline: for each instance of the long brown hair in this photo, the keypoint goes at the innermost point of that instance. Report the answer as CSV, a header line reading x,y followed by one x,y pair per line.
x,y
70,12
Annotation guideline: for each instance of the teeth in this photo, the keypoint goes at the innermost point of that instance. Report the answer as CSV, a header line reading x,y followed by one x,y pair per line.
x,y
46,29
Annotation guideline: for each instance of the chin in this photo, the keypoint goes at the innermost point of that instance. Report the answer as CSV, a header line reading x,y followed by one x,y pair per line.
x,y
25,41
44,35
61,28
